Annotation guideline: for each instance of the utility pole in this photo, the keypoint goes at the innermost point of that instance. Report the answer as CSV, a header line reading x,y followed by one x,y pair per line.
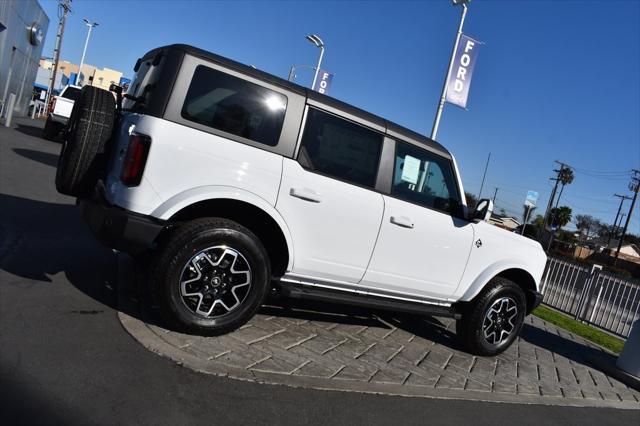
x,y
558,178
634,186
614,228
495,194
622,215
65,6
483,176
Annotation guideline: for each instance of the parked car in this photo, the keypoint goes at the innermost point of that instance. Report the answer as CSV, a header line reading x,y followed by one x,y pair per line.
x,y
234,181
59,111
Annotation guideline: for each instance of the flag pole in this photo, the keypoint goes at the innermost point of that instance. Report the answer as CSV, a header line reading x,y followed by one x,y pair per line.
x,y
436,122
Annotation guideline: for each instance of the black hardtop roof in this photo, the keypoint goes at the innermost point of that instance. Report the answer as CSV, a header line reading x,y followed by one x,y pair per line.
x,y
390,126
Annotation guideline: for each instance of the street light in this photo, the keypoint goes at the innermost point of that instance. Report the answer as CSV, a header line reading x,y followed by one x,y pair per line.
x,y
313,38
84,51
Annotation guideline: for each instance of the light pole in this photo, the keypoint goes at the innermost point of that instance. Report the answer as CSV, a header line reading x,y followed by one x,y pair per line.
x,y
86,42
313,38
436,122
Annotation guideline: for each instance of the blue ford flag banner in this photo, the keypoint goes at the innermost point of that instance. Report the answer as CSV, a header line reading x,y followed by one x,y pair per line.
x,y
462,71
323,83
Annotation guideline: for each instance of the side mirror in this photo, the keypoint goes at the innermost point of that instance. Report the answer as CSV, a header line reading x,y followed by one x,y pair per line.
x,y
483,210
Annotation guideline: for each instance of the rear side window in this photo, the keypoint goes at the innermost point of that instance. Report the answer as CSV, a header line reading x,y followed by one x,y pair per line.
x,y
424,178
71,93
235,106
341,149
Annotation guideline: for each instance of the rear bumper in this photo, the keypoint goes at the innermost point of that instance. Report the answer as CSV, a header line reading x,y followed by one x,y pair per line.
x,y
118,228
61,119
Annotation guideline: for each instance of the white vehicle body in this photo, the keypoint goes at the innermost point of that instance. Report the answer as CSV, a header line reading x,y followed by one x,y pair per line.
x,y
364,239
437,260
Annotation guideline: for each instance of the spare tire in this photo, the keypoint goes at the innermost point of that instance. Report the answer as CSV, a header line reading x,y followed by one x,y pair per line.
x,y
83,152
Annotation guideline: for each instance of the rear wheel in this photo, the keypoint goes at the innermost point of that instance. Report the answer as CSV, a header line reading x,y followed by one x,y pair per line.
x,y
83,151
211,276
491,322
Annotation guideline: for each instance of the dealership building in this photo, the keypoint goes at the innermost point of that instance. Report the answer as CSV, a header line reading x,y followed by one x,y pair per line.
x,y
23,25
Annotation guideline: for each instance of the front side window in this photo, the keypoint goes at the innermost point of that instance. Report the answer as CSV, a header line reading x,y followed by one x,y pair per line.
x,y
235,106
424,178
339,148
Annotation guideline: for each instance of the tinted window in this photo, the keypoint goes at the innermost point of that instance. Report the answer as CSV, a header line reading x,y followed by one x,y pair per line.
x,y
71,93
139,87
339,148
235,106
424,178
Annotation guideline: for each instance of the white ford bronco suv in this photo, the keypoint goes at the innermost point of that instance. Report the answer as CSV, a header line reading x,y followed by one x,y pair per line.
x,y
235,182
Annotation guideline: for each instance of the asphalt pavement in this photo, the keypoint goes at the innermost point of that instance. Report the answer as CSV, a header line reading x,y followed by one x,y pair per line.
x,y
65,358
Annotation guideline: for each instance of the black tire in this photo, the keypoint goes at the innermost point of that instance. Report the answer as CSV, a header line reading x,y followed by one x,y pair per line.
x,y
471,327
83,151
51,129
176,255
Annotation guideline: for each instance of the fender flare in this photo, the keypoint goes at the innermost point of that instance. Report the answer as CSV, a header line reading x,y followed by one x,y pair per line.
x,y
489,273
184,199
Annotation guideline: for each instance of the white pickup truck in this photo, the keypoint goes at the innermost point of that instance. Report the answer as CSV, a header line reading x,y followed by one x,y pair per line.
x,y
59,111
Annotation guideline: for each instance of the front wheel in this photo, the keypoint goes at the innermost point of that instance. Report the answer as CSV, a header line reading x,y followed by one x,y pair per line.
x,y
211,276
492,321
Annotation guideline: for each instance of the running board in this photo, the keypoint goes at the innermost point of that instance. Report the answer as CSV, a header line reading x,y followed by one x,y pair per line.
x,y
301,291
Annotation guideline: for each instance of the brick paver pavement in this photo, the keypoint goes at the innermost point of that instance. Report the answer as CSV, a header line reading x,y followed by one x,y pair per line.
x,y
358,350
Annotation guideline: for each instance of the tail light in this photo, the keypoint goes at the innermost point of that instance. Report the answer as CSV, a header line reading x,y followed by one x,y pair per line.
x,y
52,105
135,159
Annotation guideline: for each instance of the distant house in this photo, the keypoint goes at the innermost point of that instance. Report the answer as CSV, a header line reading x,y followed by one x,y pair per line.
x,y
629,252
504,222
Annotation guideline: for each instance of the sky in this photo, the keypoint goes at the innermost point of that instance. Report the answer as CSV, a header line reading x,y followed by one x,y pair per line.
x,y
554,81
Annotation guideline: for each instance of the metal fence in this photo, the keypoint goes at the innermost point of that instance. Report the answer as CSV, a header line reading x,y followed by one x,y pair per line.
x,y
591,295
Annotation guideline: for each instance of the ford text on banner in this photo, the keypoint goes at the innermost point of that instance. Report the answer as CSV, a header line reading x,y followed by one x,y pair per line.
x,y
462,71
324,82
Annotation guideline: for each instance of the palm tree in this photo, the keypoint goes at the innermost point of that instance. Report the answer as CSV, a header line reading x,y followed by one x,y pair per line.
x,y
561,216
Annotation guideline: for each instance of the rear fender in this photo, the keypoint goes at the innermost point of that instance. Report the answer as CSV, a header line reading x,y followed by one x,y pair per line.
x,y
192,196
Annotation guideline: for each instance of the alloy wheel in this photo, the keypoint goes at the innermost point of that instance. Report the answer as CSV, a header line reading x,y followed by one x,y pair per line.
x,y
500,320
215,281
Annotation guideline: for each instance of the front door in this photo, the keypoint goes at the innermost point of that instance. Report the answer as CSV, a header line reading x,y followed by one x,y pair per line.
x,y
422,249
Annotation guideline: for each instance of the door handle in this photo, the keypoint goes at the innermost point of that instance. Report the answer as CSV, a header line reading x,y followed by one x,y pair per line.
x,y
403,221
306,194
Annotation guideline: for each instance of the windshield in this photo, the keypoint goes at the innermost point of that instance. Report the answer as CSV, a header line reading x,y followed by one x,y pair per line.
x,y
137,87
71,93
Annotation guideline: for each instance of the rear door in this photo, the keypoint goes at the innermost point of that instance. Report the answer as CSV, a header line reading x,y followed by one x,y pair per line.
x,y
422,249
327,198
